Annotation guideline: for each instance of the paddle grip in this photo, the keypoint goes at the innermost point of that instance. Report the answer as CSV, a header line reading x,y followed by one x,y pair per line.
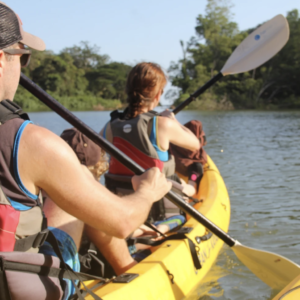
x,y
201,90
117,154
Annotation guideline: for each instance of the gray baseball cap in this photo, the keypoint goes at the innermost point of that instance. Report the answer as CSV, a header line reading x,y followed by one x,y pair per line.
x,y
11,31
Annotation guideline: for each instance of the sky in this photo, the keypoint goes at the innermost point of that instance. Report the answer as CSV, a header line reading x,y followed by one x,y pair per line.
x,y
132,31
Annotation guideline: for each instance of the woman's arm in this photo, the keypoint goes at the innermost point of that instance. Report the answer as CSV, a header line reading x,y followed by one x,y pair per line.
x,y
171,131
106,132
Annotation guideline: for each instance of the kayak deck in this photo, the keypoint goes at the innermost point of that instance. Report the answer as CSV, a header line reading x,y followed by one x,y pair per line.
x,y
291,291
168,272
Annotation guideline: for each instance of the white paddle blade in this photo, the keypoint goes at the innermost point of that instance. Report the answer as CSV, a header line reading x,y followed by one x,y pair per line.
x,y
258,47
274,270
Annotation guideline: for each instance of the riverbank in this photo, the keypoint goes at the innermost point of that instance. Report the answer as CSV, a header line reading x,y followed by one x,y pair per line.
x,y
206,103
74,103
91,103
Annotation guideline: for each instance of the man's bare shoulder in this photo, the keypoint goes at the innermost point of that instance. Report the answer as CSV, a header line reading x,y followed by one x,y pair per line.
x,y
40,139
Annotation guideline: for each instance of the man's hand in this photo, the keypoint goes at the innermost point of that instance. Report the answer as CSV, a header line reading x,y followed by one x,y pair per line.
x,y
152,184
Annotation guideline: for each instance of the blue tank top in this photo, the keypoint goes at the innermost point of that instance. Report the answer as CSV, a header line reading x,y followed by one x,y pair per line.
x,y
12,185
163,155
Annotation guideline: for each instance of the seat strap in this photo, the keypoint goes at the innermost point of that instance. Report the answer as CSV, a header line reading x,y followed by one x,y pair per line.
x,y
176,236
89,256
154,228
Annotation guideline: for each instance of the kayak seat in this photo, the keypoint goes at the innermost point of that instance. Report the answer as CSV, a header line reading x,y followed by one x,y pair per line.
x,y
119,184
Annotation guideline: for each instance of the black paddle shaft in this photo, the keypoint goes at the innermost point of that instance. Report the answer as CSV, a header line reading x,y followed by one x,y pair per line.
x,y
201,90
118,155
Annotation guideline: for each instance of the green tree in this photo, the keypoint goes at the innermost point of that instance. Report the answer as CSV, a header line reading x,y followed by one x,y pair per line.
x,y
282,73
60,76
207,52
79,77
108,81
219,34
86,56
275,84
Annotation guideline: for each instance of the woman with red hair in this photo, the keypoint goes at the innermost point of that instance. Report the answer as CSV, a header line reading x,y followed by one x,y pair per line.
x,y
143,134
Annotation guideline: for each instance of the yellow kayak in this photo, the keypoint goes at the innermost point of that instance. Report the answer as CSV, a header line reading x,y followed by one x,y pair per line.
x,y
168,272
291,291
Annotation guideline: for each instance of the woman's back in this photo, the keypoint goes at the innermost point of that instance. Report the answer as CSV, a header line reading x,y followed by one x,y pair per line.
x,y
145,84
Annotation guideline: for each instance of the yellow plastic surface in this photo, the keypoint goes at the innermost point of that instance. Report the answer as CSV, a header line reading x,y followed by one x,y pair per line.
x,y
291,291
174,257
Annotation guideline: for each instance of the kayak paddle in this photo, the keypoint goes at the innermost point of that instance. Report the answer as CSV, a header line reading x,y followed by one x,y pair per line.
x,y
273,269
257,48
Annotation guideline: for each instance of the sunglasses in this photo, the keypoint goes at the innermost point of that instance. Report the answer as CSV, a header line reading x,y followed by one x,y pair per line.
x,y
25,57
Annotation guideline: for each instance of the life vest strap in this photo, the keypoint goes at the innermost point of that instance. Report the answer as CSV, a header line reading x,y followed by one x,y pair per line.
x,y
10,110
53,241
32,241
64,271
47,271
4,290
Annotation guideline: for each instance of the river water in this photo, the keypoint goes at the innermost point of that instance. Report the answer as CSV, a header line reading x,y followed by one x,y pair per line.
x,y
258,155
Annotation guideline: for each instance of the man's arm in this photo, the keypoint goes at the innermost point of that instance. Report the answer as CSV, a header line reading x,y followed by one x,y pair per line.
x,y
47,162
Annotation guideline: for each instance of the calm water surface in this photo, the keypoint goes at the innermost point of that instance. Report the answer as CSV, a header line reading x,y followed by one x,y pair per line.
x,y
260,164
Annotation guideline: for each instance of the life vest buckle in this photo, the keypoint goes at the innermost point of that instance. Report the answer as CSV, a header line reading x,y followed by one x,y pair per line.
x,y
40,238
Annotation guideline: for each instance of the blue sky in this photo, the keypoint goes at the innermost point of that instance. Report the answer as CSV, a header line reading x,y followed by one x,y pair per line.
x,y
131,31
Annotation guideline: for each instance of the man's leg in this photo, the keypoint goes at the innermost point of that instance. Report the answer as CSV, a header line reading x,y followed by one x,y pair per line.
x,y
113,249
58,218
68,231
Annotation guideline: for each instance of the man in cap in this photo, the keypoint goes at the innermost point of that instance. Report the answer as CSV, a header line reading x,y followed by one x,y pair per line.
x,y
34,159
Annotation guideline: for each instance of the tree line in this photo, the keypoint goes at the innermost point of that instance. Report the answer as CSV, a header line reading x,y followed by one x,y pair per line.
x,y
83,79
78,77
276,84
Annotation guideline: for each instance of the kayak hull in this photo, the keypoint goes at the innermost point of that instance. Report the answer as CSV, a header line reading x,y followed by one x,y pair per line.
x,y
291,291
169,273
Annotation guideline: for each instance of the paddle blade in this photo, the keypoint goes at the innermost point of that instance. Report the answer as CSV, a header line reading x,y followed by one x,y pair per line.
x,y
258,47
273,269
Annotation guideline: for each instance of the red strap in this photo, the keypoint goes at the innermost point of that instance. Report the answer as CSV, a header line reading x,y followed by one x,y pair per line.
x,y
138,156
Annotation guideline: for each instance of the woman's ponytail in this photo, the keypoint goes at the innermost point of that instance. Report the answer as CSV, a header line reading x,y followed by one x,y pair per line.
x,y
143,83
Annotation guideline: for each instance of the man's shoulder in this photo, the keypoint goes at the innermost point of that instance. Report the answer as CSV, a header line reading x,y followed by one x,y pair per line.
x,y
35,132
40,138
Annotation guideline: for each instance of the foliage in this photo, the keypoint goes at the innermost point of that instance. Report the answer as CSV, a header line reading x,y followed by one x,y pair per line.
x,y
82,79
273,84
78,77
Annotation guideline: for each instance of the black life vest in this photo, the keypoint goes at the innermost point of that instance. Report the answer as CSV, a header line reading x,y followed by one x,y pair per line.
x,y
132,138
